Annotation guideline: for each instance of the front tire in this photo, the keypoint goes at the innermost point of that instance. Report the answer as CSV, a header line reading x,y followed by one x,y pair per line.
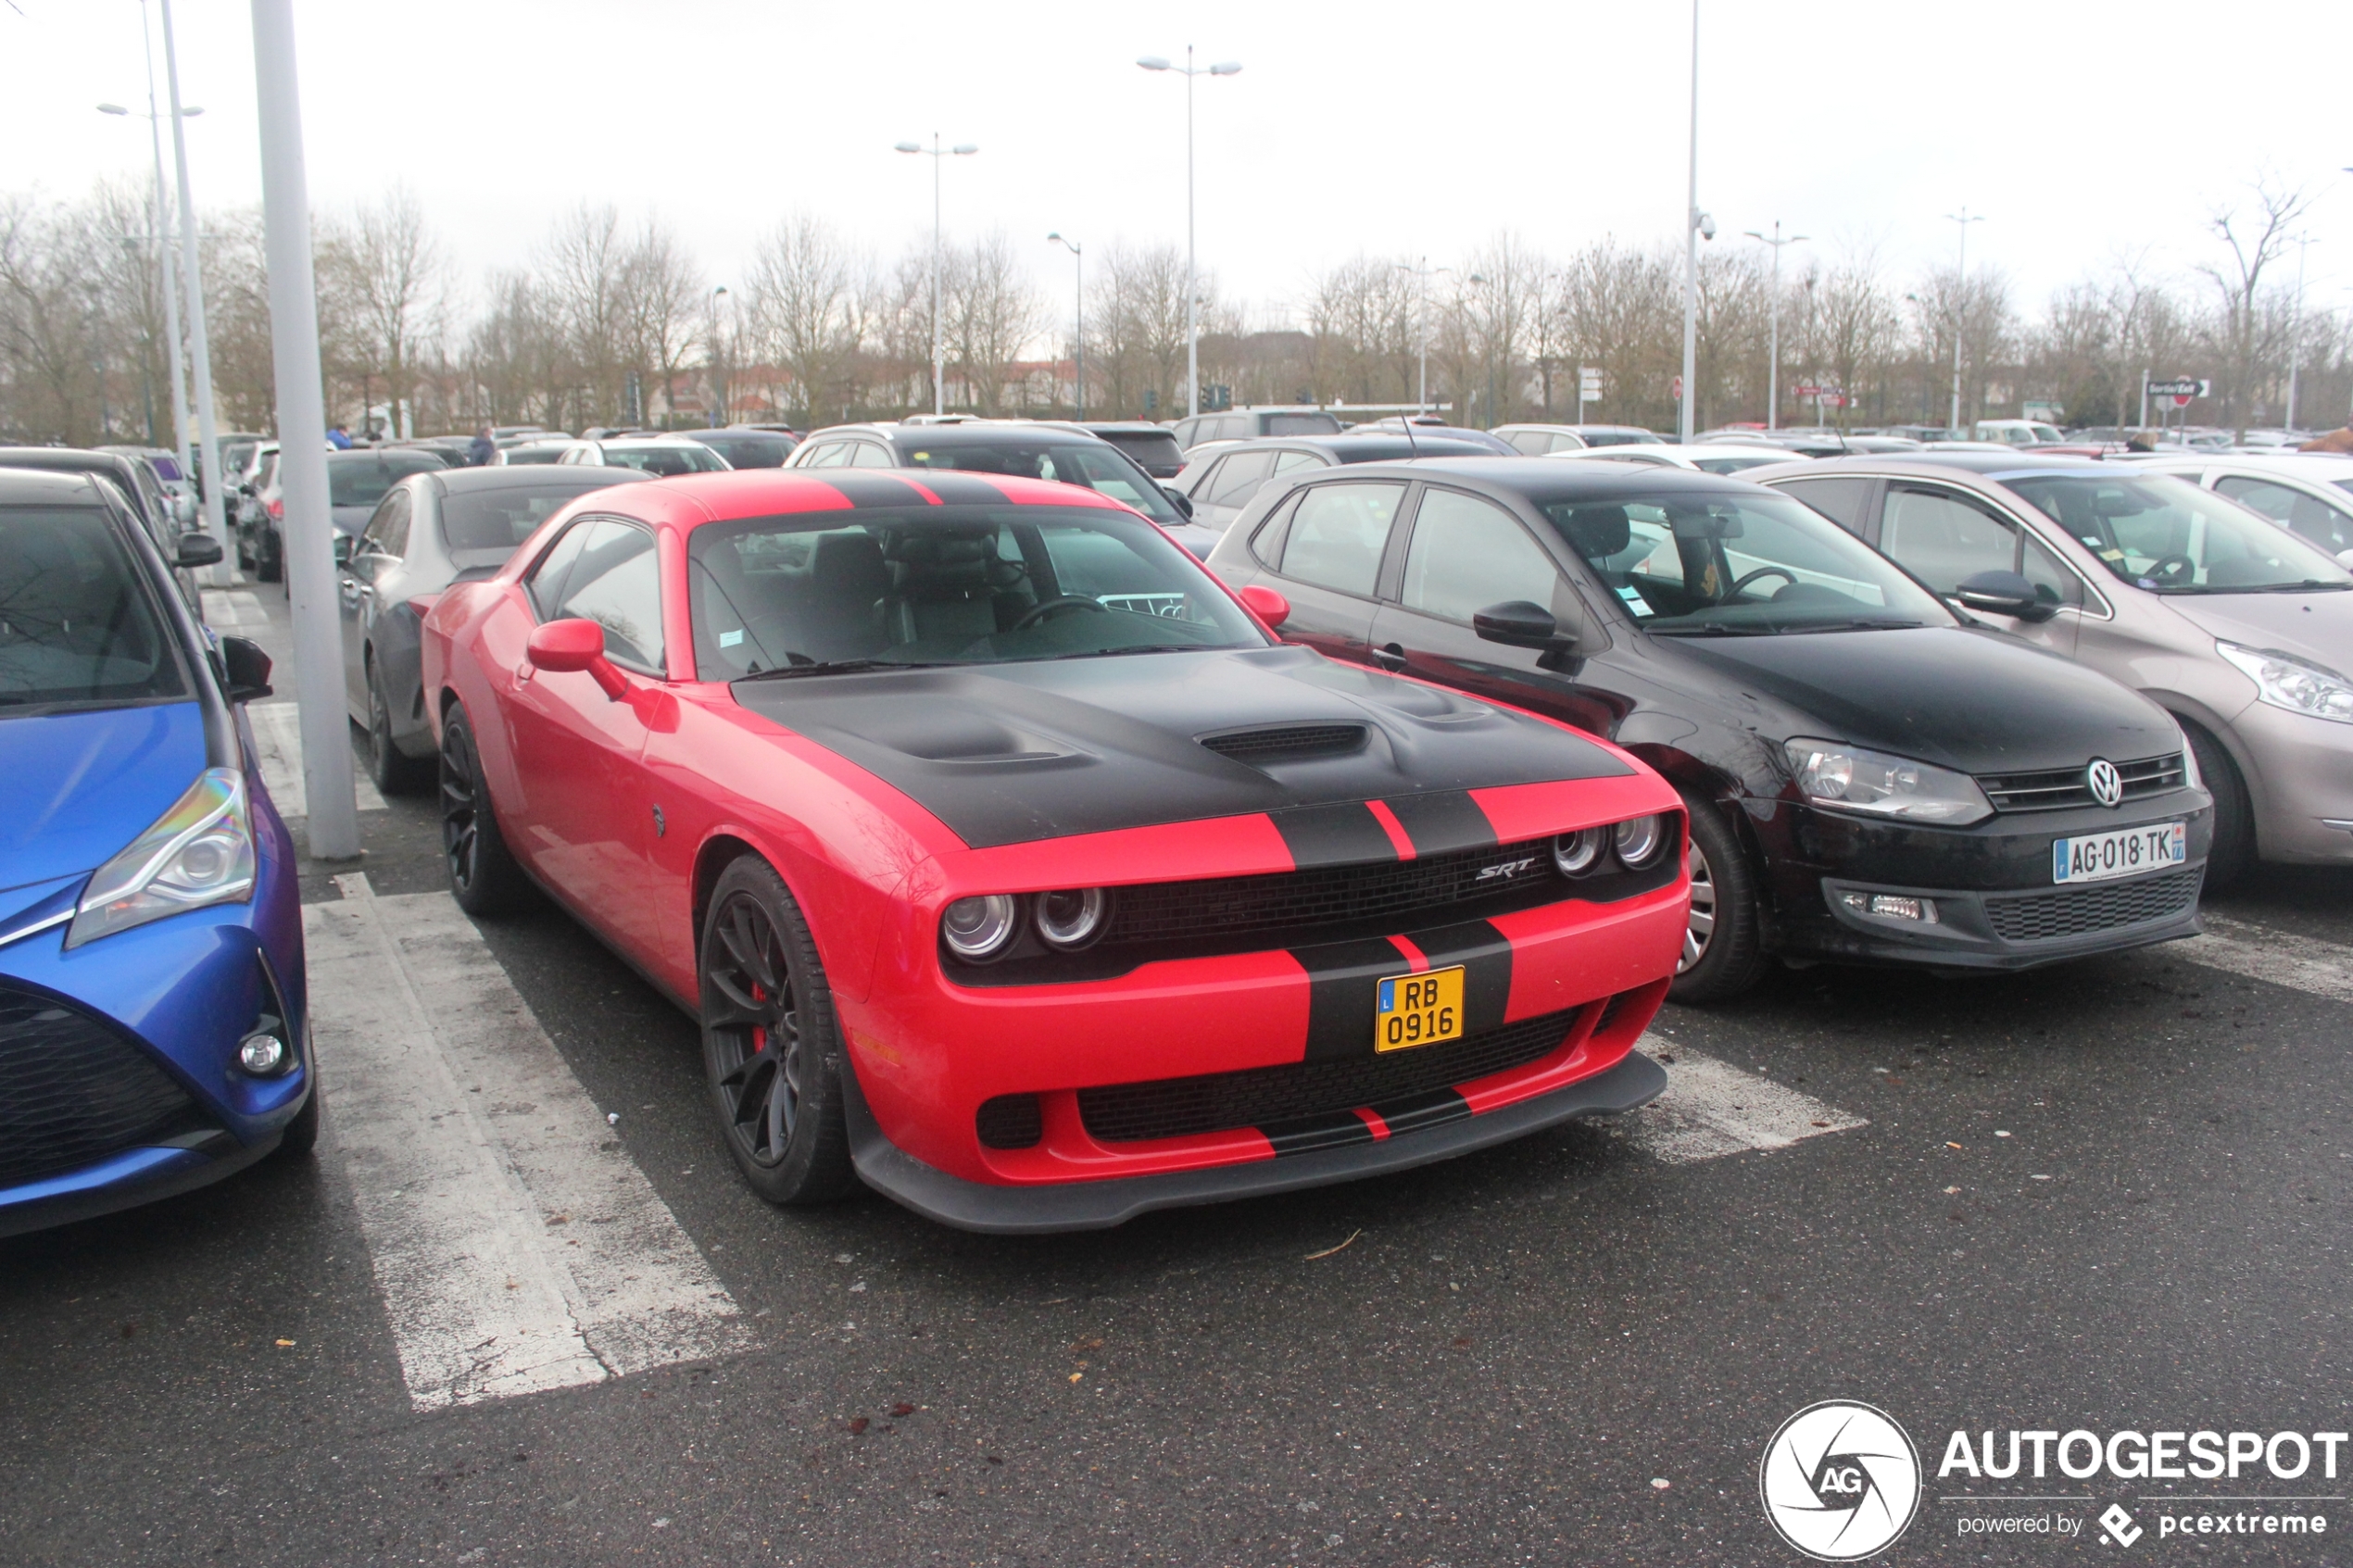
x,y
2233,846
1724,943
484,875
771,1047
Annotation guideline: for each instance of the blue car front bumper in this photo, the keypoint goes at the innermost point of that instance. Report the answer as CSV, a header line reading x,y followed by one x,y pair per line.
x,y
119,1074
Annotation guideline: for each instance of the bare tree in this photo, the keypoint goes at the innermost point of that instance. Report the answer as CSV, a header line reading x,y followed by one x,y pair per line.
x,y
383,274
807,310
2253,241
658,291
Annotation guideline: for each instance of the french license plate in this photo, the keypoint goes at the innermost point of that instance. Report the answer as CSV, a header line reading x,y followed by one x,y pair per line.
x,y
1418,1010
2098,856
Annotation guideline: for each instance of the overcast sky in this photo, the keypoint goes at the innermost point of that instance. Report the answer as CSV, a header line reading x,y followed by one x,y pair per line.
x,y
2078,130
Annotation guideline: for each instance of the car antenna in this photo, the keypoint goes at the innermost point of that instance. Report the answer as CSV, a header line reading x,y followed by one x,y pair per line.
x,y
1411,444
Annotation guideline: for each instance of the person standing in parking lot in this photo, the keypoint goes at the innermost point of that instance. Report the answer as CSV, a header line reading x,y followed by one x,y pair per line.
x,y
339,438
483,449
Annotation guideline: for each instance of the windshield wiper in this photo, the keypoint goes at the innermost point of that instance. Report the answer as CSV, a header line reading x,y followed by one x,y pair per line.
x,y
1775,628
841,667
1112,653
1854,626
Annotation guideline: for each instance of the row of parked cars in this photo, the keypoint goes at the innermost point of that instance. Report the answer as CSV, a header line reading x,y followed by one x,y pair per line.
x,y
1040,841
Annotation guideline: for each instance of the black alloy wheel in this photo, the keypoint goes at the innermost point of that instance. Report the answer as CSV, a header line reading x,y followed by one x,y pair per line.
x,y
1723,942
772,1051
391,770
484,875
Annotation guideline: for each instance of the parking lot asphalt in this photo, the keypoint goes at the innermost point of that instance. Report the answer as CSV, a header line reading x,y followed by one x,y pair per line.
x,y
2109,1195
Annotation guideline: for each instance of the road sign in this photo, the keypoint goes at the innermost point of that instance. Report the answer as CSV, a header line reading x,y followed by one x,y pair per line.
x,y
1589,384
1805,392
2182,388
1676,392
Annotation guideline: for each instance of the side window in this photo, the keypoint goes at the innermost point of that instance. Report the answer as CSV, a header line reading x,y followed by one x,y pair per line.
x,y
1535,443
1237,478
1338,535
547,580
868,455
1286,462
1183,430
387,531
1235,427
828,455
2053,583
1942,538
1267,541
616,582
1467,554
1841,500
2325,525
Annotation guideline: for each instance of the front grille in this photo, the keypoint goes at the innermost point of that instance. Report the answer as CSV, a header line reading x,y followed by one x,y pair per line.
x,y
1009,1122
2078,909
2057,788
1403,893
1288,743
72,1091
1257,1096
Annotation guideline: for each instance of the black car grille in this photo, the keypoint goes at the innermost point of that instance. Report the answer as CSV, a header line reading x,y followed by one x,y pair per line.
x,y
1171,1107
72,1091
2056,788
2075,910
1289,743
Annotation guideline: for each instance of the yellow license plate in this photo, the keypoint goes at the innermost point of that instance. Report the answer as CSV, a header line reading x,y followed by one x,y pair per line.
x,y
1418,1010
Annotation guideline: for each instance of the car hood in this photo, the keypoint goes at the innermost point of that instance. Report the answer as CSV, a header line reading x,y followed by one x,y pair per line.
x,y
88,784
1010,753
1980,701
2317,628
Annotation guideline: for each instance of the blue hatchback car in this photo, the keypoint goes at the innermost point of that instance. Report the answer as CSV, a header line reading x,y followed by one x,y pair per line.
x,y
153,1031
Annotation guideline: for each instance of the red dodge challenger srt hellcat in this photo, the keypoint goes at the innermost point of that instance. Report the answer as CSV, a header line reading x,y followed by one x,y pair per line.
x,y
1012,866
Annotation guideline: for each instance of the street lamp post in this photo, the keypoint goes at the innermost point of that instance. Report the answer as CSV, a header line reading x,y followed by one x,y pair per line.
x,y
1193,292
1423,271
191,279
719,356
161,216
1960,282
1078,270
1773,367
2295,330
936,151
1698,226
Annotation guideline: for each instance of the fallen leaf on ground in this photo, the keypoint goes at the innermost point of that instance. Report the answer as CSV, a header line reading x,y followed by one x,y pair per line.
x,y
1341,1248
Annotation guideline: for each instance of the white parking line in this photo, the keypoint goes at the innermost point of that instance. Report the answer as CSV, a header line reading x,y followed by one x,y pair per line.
x,y
277,730
517,1246
2323,968
1711,1109
232,606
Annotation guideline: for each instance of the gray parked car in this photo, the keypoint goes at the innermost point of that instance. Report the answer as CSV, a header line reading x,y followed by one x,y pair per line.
x,y
1223,479
431,529
2242,630
140,490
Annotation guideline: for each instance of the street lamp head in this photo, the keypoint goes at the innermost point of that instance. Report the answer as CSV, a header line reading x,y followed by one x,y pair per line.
x,y
1056,238
1153,62
717,291
907,148
112,108
964,149
1225,68
191,111
1706,225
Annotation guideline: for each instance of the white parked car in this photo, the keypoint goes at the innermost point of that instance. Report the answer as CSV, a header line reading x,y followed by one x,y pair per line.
x,y
2311,493
1706,457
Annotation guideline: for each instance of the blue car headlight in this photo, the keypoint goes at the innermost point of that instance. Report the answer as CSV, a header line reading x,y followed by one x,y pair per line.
x,y
200,852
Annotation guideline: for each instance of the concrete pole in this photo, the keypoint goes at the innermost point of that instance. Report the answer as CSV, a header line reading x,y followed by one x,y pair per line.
x,y
208,428
1683,421
170,273
1193,290
938,364
307,527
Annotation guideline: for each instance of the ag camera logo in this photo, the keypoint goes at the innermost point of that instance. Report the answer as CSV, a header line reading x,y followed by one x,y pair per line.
x,y
1840,1480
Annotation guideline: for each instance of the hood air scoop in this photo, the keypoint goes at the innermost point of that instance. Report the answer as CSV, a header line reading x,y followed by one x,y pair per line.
x,y
1269,744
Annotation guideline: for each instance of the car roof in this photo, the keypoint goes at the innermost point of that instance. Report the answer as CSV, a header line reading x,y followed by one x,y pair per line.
x,y
75,459
22,486
1545,479
983,434
750,493
468,482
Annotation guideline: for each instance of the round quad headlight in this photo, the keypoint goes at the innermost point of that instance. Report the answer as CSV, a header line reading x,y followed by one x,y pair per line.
x,y
1640,839
1072,918
979,928
1577,853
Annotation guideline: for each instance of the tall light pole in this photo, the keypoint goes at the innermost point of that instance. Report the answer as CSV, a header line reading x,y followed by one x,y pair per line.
x,y
1773,368
2295,329
161,216
334,826
938,364
1961,286
1698,226
1078,268
191,279
1193,292
1423,271
719,356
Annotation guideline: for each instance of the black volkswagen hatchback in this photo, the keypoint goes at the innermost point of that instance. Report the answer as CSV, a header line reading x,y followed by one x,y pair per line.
x,y
1871,778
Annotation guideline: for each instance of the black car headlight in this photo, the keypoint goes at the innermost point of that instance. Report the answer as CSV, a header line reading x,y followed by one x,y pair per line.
x,y
200,852
1848,778
979,928
1640,840
1577,853
1072,918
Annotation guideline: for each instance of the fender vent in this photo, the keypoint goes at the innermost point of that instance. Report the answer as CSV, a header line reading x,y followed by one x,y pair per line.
x,y
1287,743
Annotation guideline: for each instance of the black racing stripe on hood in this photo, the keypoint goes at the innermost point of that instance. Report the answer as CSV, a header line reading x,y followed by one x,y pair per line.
x,y
1341,835
1304,1135
1416,1113
881,487
1016,752
1443,822
1341,980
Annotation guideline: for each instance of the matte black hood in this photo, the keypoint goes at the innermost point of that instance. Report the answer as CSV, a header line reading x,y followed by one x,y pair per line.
x,y
1010,753
1979,701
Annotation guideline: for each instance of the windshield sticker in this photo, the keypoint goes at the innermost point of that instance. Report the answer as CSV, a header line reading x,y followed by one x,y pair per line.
x,y
1633,598
729,639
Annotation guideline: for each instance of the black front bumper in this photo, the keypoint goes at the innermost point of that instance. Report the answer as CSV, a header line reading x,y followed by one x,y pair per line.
x,y
1082,1206
1997,905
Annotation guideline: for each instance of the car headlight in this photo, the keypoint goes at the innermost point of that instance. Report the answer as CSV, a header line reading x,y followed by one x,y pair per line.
x,y
200,852
1577,853
1640,840
1071,918
977,929
1847,778
2294,685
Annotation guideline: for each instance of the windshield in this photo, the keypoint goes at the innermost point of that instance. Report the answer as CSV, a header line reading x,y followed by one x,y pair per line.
x,y
752,451
361,482
972,584
687,457
1097,465
2168,536
166,470
1301,424
500,520
514,454
75,627
1734,465
1703,565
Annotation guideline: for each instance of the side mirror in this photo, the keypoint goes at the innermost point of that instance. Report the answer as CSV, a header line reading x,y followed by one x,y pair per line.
x,y
344,543
198,549
1265,604
2004,592
1521,625
1179,499
2345,559
561,646
244,667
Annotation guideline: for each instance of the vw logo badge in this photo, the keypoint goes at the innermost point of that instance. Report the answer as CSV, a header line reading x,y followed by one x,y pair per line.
x,y
1840,1480
2107,784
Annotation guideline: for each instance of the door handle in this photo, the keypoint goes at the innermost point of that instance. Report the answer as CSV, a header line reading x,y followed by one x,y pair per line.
x,y
1390,656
